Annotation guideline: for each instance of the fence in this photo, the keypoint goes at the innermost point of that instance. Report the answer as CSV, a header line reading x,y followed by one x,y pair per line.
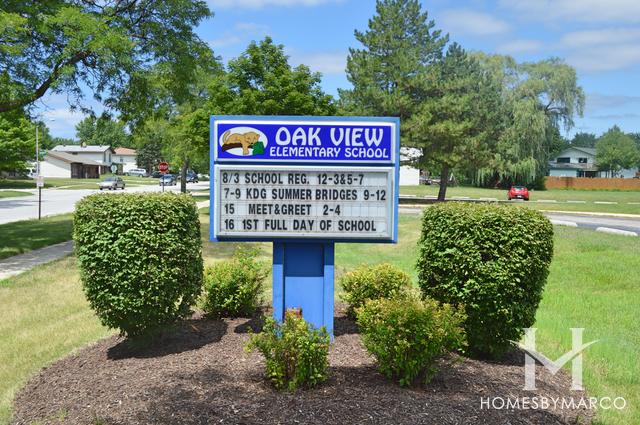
x,y
586,183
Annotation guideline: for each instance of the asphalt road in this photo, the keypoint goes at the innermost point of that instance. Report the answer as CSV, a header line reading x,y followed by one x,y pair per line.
x,y
600,222
59,201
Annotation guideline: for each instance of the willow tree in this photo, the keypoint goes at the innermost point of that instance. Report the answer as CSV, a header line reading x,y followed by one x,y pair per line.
x,y
541,100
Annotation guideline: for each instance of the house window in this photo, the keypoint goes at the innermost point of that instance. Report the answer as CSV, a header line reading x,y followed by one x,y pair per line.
x,y
563,160
121,159
582,160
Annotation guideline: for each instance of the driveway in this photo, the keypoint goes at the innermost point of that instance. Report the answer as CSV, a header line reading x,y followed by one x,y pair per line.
x,y
59,201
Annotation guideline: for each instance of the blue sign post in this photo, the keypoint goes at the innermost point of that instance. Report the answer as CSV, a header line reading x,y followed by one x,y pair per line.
x,y
304,183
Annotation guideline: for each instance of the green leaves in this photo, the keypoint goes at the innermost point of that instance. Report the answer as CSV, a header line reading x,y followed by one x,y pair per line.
x,y
294,352
616,151
232,288
406,336
140,258
495,263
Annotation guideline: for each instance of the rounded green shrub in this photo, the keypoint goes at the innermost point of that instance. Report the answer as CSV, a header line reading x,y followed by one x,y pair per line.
x,y
368,282
232,288
140,258
296,355
494,260
407,336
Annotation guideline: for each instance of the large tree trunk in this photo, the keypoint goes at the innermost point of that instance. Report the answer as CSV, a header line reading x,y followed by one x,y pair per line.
x,y
444,179
183,176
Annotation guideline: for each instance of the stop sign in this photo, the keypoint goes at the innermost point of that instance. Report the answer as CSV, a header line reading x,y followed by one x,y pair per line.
x,y
163,167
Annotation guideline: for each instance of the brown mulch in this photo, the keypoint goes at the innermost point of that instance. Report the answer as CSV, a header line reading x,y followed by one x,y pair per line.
x,y
200,374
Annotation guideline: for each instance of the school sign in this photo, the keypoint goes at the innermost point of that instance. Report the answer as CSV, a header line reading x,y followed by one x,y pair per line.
x,y
304,183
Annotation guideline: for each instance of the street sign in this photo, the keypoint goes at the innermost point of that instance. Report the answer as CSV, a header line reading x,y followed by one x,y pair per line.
x,y
304,183
163,167
40,181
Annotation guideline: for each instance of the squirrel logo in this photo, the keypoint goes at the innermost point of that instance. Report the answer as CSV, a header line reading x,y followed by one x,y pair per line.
x,y
246,141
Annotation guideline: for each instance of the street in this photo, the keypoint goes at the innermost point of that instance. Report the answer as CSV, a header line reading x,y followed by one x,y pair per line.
x,y
59,201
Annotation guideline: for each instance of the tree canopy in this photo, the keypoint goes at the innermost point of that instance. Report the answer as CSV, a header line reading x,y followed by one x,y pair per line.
x,y
616,151
60,46
102,131
17,141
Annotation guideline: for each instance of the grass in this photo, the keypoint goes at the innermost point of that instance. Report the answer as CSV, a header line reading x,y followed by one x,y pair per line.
x,y
69,183
622,198
592,284
23,236
13,194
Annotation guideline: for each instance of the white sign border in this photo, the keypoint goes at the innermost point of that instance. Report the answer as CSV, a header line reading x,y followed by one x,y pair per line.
x,y
391,187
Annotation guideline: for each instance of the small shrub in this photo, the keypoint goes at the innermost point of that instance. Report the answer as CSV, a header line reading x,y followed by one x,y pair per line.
x,y
232,288
492,259
140,258
295,353
373,282
406,336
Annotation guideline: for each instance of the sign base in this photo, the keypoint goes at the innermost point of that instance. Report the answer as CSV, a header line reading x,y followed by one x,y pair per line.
x,y
303,275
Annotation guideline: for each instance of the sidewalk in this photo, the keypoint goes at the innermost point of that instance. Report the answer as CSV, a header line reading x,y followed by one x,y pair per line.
x,y
21,263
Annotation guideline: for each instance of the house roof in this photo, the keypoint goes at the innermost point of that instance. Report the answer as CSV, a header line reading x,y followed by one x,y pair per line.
x,y
69,158
125,151
81,149
588,151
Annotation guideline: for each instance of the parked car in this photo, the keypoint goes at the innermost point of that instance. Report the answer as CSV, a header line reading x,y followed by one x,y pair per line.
x,y
518,192
111,183
192,177
138,172
168,180
156,174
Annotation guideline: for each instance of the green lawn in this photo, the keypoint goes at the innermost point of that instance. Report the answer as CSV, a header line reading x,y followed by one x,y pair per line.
x,y
22,236
593,284
13,194
69,183
622,199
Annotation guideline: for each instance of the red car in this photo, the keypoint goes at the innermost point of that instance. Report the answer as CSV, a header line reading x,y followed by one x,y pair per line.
x,y
518,192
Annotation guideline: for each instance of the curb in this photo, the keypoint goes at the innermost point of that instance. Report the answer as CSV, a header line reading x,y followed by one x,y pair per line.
x,y
615,231
596,214
563,223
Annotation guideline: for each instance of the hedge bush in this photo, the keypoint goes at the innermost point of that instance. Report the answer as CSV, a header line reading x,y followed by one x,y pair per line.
x,y
232,288
140,258
373,282
494,260
406,336
295,353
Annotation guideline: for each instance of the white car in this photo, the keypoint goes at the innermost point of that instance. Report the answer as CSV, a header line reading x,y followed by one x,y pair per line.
x,y
138,172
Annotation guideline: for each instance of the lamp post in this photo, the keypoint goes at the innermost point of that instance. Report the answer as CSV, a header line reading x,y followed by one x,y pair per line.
x,y
39,182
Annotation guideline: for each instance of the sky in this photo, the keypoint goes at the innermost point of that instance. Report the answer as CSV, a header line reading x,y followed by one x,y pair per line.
x,y
600,38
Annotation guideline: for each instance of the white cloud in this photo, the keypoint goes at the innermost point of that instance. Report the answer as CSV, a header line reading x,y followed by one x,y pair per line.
x,y
601,50
465,21
519,46
325,62
242,32
62,121
612,36
576,10
259,4
598,101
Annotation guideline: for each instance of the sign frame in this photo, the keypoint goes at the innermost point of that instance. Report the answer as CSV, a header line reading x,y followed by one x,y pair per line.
x,y
347,165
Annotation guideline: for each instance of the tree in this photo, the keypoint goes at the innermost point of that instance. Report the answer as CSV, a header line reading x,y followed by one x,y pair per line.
x,y
102,131
149,140
457,125
62,45
584,140
541,98
17,141
388,74
616,151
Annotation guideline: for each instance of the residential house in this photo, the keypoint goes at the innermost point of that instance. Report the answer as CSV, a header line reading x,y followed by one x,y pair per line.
x,y
581,162
125,159
77,161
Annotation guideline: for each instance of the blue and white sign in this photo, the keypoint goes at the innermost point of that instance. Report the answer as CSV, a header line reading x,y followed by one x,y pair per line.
x,y
290,178
322,139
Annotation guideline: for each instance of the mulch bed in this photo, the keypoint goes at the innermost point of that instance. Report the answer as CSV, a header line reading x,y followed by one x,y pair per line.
x,y
201,375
